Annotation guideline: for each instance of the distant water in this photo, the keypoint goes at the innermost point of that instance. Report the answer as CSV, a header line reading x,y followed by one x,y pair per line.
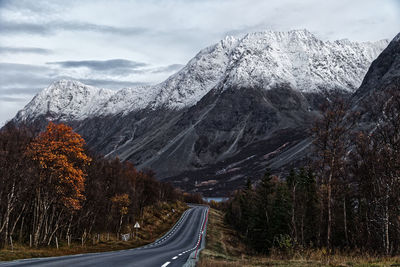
x,y
216,199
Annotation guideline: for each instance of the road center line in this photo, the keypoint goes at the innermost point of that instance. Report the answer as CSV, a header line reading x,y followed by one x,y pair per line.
x,y
165,264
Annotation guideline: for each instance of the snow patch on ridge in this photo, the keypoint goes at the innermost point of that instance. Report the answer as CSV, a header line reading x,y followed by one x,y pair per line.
x,y
297,57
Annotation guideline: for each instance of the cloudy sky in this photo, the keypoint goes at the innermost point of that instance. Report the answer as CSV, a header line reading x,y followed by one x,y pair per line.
x,y
115,44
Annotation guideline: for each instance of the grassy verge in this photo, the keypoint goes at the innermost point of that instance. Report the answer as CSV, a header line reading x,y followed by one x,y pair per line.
x,y
224,248
157,220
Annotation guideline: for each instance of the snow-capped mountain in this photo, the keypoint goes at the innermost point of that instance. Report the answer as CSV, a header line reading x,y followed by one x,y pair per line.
x,y
235,108
65,100
300,59
263,60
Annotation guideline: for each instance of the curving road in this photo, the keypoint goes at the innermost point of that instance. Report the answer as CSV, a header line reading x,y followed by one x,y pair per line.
x,y
173,249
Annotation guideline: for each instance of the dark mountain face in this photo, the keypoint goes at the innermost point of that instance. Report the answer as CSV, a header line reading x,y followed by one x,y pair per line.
x,y
230,134
238,133
380,83
383,73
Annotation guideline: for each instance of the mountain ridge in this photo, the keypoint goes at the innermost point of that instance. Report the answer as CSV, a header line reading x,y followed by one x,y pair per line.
x,y
246,103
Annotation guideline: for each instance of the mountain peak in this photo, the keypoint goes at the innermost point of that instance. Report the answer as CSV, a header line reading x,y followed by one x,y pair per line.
x,y
65,82
65,100
301,33
67,86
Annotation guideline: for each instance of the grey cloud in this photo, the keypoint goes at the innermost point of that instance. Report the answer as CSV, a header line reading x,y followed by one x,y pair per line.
x,y
12,27
12,99
11,67
21,80
19,91
114,67
117,66
76,26
19,27
31,6
18,79
33,50
42,9
101,65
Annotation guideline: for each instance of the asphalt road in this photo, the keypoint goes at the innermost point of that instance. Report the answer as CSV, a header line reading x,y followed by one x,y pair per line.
x,y
173,249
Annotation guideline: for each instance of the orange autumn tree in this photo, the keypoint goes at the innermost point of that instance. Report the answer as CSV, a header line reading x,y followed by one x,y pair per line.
x,y
59,151
60,158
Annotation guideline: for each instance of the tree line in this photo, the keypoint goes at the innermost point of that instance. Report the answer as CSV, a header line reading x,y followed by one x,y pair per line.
x,y
52,186
346,197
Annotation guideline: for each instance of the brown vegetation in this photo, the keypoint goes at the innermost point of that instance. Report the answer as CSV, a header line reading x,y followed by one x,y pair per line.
x,y
157,220
53,190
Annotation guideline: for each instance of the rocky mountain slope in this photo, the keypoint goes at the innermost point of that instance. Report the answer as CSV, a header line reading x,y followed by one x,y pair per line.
x,y
235,108
380,84
384,72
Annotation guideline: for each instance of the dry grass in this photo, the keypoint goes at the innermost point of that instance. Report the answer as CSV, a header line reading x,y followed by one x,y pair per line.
x,y
222,241
224,248
157,220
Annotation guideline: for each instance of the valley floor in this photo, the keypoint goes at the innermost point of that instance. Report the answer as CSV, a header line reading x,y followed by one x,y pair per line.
x,y
225,249
157,220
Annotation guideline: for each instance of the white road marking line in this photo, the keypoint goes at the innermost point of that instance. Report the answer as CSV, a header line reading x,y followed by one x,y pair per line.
x,y
165,264
174,258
